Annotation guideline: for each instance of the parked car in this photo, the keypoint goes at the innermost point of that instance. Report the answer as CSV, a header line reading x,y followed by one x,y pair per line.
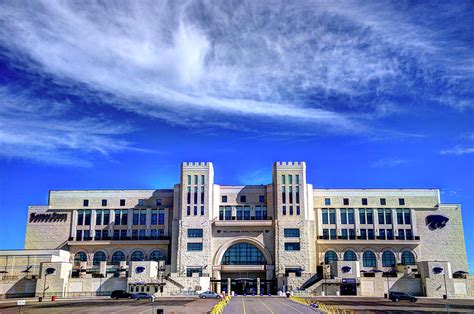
x,y
398,296
210,295
120,294
142,295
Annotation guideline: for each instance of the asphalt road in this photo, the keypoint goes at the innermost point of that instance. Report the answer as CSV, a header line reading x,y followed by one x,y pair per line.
x,y
261,305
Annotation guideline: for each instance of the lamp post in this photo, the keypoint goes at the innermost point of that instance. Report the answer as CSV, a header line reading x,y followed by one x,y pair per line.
x,y
47,272
445,287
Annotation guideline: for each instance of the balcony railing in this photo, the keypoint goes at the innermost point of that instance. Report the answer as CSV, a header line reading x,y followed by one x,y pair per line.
x,y
413,238
122,239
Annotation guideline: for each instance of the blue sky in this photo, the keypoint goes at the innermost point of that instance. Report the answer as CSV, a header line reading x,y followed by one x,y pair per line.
x,y
117,94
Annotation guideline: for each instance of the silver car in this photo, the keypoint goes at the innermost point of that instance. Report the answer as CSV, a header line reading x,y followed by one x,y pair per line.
x,y
210,295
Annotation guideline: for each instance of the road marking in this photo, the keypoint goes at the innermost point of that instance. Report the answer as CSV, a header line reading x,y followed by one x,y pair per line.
x,y
271,311
291,307
243,305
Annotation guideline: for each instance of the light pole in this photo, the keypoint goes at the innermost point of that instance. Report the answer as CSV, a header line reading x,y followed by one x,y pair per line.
x,y
47,272
445,287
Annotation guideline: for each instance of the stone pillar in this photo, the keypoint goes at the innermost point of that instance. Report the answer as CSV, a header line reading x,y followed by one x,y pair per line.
x,y
148,222
229,286
357,222
375,213
73,224
166,212
394,222
338,221
129,222
320,221
111,223
258,286
93,222
413,223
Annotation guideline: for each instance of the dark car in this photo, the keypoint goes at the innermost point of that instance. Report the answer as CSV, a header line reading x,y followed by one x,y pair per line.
x,y
142,295
210,295
398,296
120,294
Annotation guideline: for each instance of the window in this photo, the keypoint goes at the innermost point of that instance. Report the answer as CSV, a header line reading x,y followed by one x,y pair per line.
x,y
370,216
409,234
327,201
325,216
154,217
98,217
196,179
382,234
123,234
361,216
401,201
343,213
261,198
368,259
195,210
202,195
333,234
134,234
283,208
243,254
352,234
80,257
80,217
290,179
117,217
283,181
85,203
195,194
364,201
87,218
193,270
228,213
143,217
240,212
344,234
370,234
330,256
137,256
194,233
189,179
141,202
383,201
141,234
98,234
243,198
99,257
407,216
292,232
408,258
381,216
161,217
104,202
122,202
297,195
298,210
401,234
399,216
78,235
157,256
246,212
118,257
291,210
203,179
283,195
292,246
297,178
388,216
345,201
332,216
388,259
106,217
290,194
188,210
350,215
389,234
194,246
363,234
224,198
350,256
325,234
158,202
188,195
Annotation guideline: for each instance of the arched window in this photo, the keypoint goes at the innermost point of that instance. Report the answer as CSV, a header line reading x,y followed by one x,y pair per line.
x,y
243,254
157,256
118,257
330,256
408,258
137,256
368,259
388,259
99,257
80,257
350,256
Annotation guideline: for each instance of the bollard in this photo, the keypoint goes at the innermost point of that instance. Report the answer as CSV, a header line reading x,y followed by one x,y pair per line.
x,y
53,298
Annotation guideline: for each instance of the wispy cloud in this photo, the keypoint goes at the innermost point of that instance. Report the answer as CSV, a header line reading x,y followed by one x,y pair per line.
x,y
43,131
458,150
388,162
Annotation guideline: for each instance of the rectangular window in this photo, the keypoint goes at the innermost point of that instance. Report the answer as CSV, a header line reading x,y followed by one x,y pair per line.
x,y
407,216
409,234
194,246
161,217
87,235
383,201
135,216
332,216
364,201
297,178
361,216
188,195
141,202
399,216
189,179
290,179
370,234
352,234
363,234
381,216
327,201
195,210
153,234
283,208
158,202
141,234
246,212
333,234
258,212
382,234
389,234
221,212
188,210
105,234
87,218
401,201
370,216
134,234
143,217
292,232
202,195
240,212
85,203
116,235
401,234
104,202
290,194
154,217
123,234
292,246
291,210
350,215
326,234
79,235
80,217
297,194
298,211
195,233
124,217
283,195
98,217
224,198
196,179
203,179
117,218
228,213
261,198
388,216
344,234
202,210
122,202
325,216
243,198
106,217
193,270
345,201
195,194
343,212
283,181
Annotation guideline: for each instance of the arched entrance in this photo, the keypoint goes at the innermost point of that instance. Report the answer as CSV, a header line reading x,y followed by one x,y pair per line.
x,y
244,267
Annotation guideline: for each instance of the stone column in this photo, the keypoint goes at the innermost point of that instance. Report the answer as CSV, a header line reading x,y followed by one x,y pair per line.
x,y
357,222
258,286
93,222
229,286
111,223
394,222
129,222
413,223
166,211
338,221
73,224
375,213
148,222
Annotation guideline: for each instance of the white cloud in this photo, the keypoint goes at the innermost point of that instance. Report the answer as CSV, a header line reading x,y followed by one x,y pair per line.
x,y
458,150
389,162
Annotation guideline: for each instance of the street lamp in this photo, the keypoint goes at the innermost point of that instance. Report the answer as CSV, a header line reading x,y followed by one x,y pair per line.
x,y
47,272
